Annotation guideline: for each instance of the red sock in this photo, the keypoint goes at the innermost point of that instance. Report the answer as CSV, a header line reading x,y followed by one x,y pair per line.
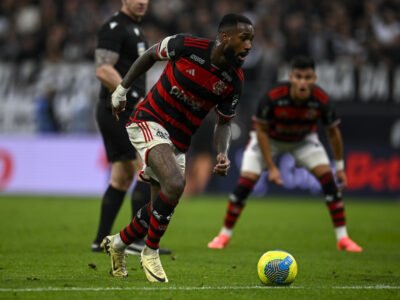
x,y
237,201
333,199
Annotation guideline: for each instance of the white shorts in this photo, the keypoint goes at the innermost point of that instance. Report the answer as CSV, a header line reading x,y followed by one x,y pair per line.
x,y
146,135
307,153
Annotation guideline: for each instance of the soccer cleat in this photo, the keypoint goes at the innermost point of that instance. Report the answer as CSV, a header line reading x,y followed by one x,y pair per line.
x,y
219,242
347,244
152,267
136,248
95,247
118,262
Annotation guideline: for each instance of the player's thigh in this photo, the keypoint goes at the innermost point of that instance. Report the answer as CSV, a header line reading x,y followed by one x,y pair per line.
x,y
310,153
319,170
158,153
252,161
162,161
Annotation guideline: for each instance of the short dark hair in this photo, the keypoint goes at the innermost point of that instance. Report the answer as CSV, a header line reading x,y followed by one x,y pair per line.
x,y
302,62
231,20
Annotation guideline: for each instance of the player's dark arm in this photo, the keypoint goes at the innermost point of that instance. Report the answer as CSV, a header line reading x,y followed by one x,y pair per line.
x,y
222,140
141,66
336,142
222,136
105,70
274,174
263,142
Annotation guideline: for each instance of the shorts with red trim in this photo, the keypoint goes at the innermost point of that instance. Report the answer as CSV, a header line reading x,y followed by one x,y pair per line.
x,y
146,135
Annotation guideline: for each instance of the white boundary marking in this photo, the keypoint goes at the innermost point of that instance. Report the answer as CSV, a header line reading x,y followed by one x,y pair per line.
x,y
191,288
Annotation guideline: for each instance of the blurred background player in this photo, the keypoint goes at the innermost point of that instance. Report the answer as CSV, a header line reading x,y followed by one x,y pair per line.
x,y
200,161
120,43
201,74
286,121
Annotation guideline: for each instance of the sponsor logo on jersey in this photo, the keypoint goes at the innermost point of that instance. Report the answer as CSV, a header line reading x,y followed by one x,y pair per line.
x,y
197,59
219,87
189,100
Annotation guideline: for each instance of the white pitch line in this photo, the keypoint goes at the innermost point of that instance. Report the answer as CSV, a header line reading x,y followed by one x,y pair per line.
x,y
190,288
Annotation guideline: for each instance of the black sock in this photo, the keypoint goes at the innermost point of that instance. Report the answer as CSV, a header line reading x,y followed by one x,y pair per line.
x,y
140,196
110,205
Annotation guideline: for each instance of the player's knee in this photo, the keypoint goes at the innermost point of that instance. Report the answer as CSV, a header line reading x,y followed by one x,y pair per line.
x,y
122,182
174,186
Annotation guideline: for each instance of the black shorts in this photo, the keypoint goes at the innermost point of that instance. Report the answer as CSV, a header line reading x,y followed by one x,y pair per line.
x,y
115,137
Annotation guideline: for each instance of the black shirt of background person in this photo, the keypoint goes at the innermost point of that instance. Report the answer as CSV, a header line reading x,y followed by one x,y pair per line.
x,y
123,35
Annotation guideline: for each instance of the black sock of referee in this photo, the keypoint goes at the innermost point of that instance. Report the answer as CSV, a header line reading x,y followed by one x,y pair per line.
x,y
140,196
110,205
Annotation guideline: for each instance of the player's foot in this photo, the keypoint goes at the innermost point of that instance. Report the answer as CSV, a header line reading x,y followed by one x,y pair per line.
x,y
347,244
219,242
152,267
118,262
136,248
95,247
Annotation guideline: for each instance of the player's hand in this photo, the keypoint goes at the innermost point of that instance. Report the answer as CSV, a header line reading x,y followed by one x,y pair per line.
x,y
274,175
116,110
118,101
223,165
342,179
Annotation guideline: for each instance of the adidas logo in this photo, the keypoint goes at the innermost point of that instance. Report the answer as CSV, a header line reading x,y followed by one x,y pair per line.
x,y
191,71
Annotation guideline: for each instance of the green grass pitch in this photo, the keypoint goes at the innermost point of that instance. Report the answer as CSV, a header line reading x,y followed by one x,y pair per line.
x,y
45,251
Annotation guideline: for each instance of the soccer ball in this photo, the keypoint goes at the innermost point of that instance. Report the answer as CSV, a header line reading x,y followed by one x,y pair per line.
x,y
277,267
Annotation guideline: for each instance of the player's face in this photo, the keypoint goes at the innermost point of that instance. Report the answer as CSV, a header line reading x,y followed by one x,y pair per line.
x,y
136,8
238,44
302,81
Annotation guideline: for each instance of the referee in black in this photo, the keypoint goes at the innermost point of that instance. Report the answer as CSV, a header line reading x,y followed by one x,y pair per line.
x,y
120,43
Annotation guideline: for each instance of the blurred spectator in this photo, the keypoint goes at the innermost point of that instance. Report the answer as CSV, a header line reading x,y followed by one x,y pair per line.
x,y
61,29
46,118
200,162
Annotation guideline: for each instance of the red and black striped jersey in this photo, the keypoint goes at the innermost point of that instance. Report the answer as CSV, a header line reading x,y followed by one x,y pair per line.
x,y
188,89
290,120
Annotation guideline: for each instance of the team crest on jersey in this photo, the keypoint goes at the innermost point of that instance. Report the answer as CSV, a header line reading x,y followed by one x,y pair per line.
x,y
219,87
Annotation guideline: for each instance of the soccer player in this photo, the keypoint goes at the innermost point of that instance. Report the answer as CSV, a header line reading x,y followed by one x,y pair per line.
x,y
286,121
201,74
120,43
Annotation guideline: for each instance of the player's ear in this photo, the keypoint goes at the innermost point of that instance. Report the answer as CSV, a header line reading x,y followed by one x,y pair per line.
x,y
224,36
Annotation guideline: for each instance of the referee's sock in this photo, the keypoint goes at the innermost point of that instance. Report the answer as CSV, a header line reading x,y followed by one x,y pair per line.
x,y
110,205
